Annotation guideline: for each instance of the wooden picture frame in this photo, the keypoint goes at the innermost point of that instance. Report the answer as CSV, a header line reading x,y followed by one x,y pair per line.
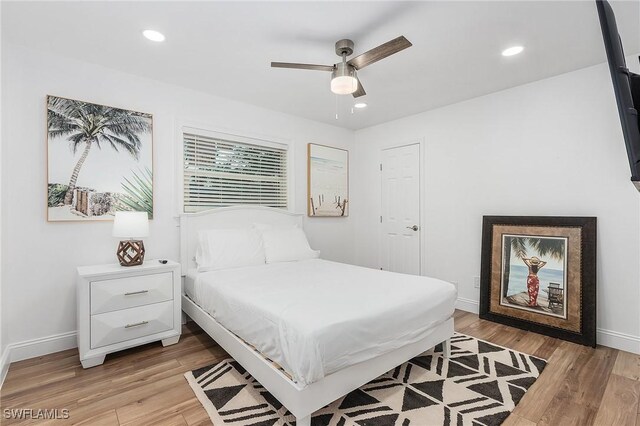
x,y
91,172
327,181
538,274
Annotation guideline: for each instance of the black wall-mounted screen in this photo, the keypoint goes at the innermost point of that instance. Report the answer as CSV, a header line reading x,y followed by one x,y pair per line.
x,y
626,86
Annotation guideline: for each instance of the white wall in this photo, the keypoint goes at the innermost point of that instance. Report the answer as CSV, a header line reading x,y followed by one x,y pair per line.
x,y
476,164
39,288
3,360
552,147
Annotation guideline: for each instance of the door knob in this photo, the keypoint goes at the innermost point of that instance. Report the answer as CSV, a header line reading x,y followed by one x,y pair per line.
x,y
414,227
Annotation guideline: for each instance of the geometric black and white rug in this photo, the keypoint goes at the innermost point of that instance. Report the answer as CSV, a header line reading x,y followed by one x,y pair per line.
x,y
479,385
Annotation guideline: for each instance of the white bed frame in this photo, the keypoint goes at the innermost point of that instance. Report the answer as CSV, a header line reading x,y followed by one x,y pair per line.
x,y
300,401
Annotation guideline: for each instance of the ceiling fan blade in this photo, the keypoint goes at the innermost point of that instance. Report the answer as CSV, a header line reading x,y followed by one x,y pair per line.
x,y
359,91
302,66
380,52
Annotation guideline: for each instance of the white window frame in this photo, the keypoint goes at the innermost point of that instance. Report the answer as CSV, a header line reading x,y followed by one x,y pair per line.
x,y
233,136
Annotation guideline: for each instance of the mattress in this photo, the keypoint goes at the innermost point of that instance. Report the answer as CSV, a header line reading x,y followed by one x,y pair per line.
x,y
315,317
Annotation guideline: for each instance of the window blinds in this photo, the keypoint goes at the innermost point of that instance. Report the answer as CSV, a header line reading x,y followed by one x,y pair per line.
x,y
219,173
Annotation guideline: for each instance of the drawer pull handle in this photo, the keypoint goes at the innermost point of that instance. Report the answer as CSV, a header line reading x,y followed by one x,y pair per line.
x,y
136,324
136,292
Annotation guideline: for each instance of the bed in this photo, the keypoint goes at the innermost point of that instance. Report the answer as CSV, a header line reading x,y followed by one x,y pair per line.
x,y
294,325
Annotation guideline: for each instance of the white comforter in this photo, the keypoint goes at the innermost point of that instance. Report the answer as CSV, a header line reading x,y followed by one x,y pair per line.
x,y
315,317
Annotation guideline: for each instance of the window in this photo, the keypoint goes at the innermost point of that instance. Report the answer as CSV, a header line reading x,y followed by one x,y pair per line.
x,y
221,172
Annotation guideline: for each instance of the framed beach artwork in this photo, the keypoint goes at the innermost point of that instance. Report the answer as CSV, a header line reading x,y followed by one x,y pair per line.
x,y
328,181
99,161
539,274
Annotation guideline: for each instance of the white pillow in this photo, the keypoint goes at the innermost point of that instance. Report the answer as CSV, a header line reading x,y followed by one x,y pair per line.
x,y
229,248
285,244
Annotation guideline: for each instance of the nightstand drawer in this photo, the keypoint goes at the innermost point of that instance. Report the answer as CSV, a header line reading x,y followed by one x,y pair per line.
x,y
128,292
128,324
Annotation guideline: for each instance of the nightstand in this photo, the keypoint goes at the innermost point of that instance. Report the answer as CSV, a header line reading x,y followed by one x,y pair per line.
x,y
122,307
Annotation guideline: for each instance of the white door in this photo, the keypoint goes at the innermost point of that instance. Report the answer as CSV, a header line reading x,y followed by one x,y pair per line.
x,y
401,227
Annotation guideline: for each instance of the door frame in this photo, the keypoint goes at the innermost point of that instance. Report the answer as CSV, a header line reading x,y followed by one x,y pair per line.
x,y
420,141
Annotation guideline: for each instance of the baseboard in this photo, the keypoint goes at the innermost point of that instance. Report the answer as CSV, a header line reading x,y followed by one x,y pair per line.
x,y
616,340
612,339
468,305
5,361
42,346
63,341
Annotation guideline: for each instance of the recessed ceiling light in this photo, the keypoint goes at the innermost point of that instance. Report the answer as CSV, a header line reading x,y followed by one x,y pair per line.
x,y
360,105
512,51
153,35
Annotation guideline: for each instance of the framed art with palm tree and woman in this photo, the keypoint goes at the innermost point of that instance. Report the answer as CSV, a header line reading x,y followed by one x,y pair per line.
x,y
100,160
539,274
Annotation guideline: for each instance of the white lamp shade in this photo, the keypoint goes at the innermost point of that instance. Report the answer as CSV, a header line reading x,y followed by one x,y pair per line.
x,y
344,85
131,225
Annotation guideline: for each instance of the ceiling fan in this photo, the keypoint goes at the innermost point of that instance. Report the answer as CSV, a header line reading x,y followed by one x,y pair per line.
x,y
344,79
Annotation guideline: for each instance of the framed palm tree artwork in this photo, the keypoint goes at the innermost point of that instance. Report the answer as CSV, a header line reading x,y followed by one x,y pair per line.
x,y
99,161
539,274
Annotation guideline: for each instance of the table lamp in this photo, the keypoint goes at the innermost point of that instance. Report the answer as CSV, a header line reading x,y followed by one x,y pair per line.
x,y
131,225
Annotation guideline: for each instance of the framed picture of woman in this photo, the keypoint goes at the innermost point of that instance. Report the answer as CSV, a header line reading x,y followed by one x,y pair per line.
x,y
539,274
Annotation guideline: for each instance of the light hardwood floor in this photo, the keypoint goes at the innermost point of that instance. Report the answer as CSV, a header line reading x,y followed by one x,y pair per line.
x,y
145,386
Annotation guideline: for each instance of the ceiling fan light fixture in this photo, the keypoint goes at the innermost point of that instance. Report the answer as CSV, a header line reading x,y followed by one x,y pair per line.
x,y
344,80
344,85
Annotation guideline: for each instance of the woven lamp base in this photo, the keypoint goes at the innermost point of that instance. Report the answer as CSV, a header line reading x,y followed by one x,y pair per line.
x,y
130,252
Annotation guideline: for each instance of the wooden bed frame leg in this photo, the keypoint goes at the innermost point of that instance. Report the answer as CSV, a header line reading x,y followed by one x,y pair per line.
x,y
303,421
446,348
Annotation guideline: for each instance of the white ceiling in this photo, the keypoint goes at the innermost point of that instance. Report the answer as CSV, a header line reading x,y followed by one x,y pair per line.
x,y
225,48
